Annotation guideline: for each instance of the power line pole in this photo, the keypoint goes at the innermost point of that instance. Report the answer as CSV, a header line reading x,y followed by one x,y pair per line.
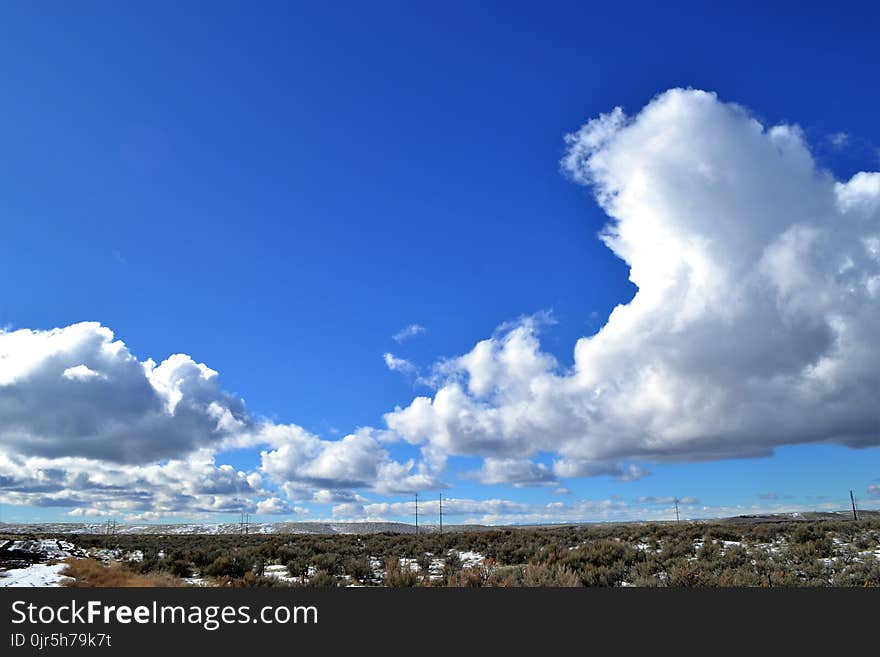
x,y
677,519
853,500
417,513
441,514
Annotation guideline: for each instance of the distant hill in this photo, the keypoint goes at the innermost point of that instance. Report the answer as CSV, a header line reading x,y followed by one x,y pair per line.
x,y
231,528
375,527
802,515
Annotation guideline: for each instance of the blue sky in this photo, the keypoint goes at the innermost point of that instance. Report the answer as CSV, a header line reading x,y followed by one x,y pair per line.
x,y
276,191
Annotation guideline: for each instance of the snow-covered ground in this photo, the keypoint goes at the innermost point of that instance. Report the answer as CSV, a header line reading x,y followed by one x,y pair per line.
x,y
279,572
38,574
470,559
47,553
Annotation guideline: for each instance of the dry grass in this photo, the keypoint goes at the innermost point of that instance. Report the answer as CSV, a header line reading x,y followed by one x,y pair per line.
x,y
88,573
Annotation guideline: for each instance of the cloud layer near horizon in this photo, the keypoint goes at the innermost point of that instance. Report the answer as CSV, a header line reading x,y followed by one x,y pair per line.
x,y
85,424
754,325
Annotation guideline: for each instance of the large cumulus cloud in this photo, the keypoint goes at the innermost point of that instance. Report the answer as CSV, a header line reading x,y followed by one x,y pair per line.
x,y
77,391
754,324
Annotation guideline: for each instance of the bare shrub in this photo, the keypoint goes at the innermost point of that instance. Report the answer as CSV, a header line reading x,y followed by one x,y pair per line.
x,y
89,573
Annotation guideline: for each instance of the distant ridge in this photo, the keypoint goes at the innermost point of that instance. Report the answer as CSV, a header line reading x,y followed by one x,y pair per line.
x,y
231,528
376,527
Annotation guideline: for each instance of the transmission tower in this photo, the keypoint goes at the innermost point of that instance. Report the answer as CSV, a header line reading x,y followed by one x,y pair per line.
x,y
677,519
852,499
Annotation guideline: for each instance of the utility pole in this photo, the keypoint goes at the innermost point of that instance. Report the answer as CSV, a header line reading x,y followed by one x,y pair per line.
x,y
853,500
417,513
677,519
441,514
247,523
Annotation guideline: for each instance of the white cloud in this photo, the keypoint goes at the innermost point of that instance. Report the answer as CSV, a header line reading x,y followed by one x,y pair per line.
x,y
75,391
81,373
517,472
396,364
193,485
336,497
85,424
408,332
273,506
566,467
754,323
357,461
90,512
668,500
632,472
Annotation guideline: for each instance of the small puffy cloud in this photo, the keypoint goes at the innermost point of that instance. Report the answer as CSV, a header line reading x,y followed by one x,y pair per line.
x,y
668,500
91,512
632,472
838,139
768,496
515,472
255,480
81,373
570,468
349,511
408,332
357,461
336,497
396,364
874,491
273,506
